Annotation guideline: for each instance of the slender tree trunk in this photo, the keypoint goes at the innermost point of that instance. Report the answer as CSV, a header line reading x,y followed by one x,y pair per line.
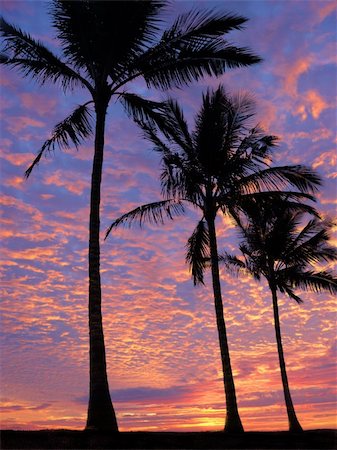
x,y
233,421
101,415
294,424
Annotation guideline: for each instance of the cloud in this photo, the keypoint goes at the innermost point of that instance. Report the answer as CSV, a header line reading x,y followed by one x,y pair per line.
x,y
41,103
20,123
325,159
66,179
311,103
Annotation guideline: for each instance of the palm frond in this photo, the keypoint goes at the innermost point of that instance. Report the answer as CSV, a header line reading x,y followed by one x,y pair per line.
x,y
197,25
311,247
275,202
190,49
261,149
290,292
257,144
144,111
175,127
233,264
239,109
154,213
303,178
151,134
197,254
33,59
71,131
314,281
280,177
178,68
173,165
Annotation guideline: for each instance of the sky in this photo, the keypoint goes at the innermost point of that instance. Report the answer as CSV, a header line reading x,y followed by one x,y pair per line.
x,y
163,356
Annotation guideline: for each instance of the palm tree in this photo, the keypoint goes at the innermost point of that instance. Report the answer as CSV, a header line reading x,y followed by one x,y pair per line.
x,y
275,247
223,161
91,60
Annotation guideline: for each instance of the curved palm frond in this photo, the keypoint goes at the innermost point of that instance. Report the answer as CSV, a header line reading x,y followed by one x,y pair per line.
x,y
279,177
151,213
258,145
311,245
313,281
214,59
72,130
32,58
292,199
233,264
240,108
197,25
175,127
144,111
285,289
192,48
198,255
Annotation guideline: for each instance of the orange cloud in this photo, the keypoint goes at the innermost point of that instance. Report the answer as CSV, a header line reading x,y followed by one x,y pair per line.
x,y
292,73
311,103
316,103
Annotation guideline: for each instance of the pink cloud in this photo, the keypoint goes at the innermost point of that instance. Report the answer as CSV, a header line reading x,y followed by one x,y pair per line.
x,y
40,103
326,158
18,159
67,180
323,10
17,124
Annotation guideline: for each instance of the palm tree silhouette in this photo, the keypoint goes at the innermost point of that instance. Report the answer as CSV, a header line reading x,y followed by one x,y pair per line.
x,y
105,46
275,247
214,168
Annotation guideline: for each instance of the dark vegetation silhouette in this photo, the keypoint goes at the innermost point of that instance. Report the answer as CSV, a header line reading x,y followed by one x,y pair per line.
x,y
280,246
216,168
104,46
57,439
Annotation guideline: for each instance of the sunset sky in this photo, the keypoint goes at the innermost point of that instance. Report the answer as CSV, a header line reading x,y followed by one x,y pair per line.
x,y
163,356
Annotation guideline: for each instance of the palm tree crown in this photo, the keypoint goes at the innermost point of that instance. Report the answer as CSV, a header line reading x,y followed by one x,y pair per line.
x,y
103,47
278,245
219,166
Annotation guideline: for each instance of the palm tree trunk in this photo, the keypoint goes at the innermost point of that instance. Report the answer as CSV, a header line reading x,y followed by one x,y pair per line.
x,y
101,415
294,424
233,421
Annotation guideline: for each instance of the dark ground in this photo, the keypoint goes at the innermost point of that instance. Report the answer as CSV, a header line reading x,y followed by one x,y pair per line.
x,y
63,439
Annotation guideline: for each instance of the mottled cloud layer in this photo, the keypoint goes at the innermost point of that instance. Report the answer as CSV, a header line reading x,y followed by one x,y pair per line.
x,y
162,351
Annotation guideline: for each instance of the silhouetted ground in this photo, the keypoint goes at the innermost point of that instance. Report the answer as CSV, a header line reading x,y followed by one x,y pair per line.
x,y
65,439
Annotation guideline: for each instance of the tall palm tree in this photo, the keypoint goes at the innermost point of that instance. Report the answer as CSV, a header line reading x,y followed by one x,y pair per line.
x,y
278,246
223,161
104,46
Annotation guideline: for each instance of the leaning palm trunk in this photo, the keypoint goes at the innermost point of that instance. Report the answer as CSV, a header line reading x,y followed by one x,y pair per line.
x,y
233,421
101,414
294,424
